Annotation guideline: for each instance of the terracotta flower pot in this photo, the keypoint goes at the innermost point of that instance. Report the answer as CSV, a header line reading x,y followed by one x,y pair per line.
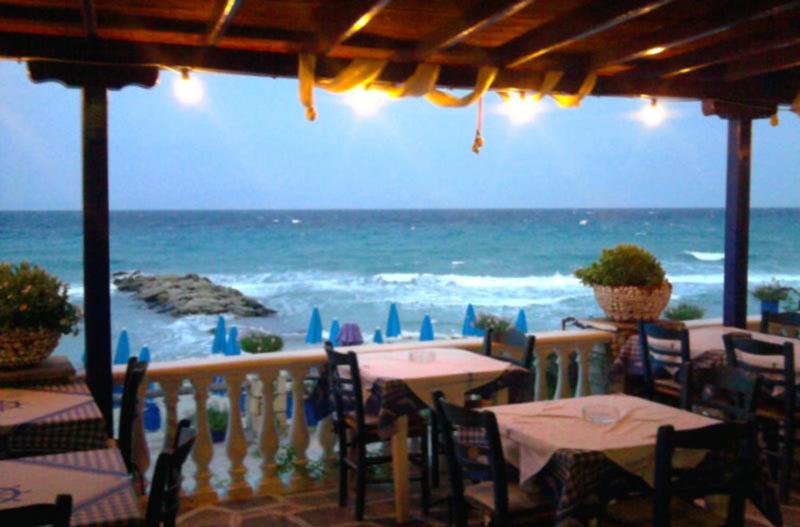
x,y
629,303
26,347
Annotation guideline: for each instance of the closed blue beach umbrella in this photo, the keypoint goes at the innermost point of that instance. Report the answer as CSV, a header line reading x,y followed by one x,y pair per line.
x,y
468,330
522,322
232,346
333,334
393,324
377,338
151,414
123,349
426,331
144,354
219,336
314,334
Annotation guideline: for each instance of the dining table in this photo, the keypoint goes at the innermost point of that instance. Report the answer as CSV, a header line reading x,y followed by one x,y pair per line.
x,y
101,489
49,419
399,384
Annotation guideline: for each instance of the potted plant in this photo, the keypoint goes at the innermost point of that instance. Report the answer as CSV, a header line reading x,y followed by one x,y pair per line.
x,y
217,411
34,312
498,325
629,283
684,311
771,293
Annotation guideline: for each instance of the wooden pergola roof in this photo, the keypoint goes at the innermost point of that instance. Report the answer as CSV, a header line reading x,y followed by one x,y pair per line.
x,y
741,51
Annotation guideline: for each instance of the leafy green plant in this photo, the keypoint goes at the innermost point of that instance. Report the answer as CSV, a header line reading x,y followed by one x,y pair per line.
x,y
258,342
31,298
217,412
624,265
486,321
684,311
772,291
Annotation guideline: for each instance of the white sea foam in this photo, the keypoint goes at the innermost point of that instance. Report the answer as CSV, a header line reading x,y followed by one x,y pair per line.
x,y
296,221
706,256
583,222
457,262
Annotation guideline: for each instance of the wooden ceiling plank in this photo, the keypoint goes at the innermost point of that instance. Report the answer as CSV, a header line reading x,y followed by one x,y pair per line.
x,y
726,18
762,63
349,21
222,20
482,15
586,21
89,16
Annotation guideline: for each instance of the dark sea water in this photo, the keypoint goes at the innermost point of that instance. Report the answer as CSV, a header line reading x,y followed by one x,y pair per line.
x,y
353,264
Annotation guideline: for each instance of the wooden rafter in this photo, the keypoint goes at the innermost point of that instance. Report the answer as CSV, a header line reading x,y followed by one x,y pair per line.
x,y
222,20
601,15
762,63
89,16
349,19
723,19
482,15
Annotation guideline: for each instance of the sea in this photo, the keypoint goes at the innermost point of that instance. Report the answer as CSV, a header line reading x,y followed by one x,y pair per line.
x,y
352,264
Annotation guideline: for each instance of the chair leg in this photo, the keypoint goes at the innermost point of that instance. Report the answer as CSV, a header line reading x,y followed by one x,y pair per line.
x,y
786,470
425,480
434,430
343,469
361,481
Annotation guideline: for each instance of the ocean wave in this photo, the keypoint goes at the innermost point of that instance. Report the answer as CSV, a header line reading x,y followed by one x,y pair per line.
x,y
705,256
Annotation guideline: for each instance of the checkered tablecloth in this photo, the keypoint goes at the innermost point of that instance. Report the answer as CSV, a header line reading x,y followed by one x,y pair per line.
x,y
37,420
101,490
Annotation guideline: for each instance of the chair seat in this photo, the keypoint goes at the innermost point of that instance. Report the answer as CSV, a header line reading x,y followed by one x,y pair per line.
x,y
519,501
416,426
635,512
668,387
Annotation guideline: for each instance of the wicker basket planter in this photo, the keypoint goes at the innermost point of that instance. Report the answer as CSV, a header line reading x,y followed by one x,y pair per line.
x,y
628,303
25,347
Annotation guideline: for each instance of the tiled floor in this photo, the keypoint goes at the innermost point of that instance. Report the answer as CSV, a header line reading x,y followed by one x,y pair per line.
x,y
319,508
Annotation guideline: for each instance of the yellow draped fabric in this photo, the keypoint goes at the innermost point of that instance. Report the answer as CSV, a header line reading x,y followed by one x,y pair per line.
x,y
796,103
550,81
421,82
573,101
486,75
357,74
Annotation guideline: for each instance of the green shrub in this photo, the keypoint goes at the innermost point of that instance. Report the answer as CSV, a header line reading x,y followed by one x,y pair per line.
x,y
31,298
772,291
486,321
623,265
217,418
261,343
684,311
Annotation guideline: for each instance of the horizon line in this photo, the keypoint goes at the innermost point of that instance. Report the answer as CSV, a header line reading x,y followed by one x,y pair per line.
x,y
412,209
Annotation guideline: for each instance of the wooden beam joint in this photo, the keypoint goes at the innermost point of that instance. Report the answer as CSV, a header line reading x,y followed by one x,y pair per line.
x,y
737,110
78,75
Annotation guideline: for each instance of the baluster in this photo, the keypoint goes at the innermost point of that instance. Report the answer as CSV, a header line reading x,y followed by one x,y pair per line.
x,y
170,387
540,364
562,387
584,388
328,440
141,454
203,449
270,484
298,432
238,487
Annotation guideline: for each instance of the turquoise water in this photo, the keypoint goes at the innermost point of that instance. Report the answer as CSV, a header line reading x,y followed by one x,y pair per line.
x,y
353,264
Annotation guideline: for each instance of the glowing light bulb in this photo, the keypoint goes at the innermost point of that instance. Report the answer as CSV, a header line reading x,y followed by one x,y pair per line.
x,y
188,90
366,103
652,115
655,51
520,108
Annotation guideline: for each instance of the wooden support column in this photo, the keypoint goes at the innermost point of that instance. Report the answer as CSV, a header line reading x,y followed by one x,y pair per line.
x,y
737,203
96,254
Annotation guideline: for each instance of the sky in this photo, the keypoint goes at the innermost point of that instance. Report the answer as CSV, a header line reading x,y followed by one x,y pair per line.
x,y
248,145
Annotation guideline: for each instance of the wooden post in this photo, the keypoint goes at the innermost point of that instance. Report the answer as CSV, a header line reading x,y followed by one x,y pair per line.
x,y
96,270
737,223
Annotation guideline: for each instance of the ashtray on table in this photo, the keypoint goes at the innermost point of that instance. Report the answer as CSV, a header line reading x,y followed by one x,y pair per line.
x,y
601,414
422,356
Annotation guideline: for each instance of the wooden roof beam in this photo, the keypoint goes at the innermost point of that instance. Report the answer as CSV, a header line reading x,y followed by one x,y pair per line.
x,y
89,16
482,15
727,17
762,63
598,16
351,18
225,13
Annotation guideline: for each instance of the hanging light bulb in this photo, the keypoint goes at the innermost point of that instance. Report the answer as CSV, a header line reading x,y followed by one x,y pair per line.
x,y
186,89
519,107
653,114
366,103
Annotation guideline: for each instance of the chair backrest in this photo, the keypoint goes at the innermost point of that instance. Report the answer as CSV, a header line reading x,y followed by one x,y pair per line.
x,y
56,514
511,341
786,324
728,470
741,348
345,385
129,409
661,347
472,446
164,498
723,392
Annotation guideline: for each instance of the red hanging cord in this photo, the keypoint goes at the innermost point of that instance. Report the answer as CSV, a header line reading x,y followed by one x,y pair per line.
x,y
478,142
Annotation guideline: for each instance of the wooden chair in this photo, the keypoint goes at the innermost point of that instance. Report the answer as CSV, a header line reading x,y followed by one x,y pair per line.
x,y
786,324
356,431
474,450
129,410
515,347
659,357
740,349
677,489
164,499
722,392
56,514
